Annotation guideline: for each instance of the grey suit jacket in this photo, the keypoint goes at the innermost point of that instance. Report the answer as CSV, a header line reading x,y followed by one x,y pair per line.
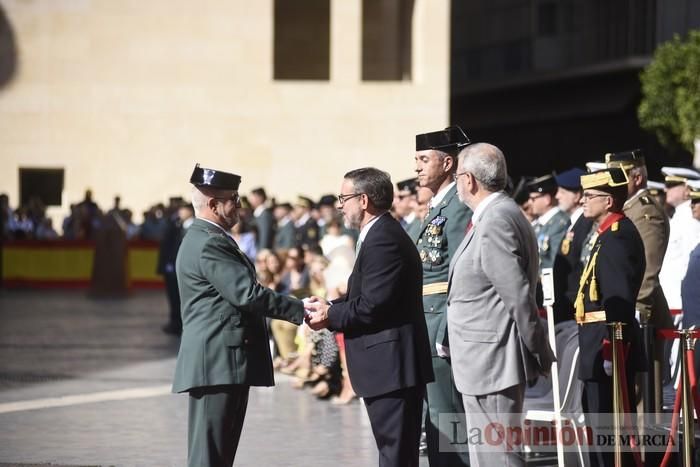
x,y
496,337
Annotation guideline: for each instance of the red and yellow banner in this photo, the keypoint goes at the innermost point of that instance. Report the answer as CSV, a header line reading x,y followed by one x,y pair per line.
x,y
64,263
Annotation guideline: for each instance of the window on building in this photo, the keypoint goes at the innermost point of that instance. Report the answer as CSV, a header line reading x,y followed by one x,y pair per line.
x,y
386,39
46,184
547,19
302,39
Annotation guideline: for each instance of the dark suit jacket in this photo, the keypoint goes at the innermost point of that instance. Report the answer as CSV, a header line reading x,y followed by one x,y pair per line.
x,y
568,269
619,270
224,335
386,340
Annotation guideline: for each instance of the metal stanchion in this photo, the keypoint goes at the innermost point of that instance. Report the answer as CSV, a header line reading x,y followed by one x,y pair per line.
x,y
648,382
618,406
687,401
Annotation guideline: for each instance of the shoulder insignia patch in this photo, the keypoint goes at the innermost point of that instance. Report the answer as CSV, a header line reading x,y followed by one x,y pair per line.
x,y
615,227
439,220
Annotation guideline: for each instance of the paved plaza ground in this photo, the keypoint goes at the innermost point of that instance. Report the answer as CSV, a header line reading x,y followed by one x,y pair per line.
x,y
86,382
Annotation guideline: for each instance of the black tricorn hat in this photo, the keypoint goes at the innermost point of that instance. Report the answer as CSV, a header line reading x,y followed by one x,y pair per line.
x,y
625,159
544,184
214,179
409,185
451,138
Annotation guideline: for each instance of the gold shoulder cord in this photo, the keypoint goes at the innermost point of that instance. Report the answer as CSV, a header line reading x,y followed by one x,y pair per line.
x,y
592,290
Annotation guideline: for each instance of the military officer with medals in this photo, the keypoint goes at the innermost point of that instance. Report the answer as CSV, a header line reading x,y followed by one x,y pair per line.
x,y
440,234
552,222
306,227
652,223
225,345
608,291
567,263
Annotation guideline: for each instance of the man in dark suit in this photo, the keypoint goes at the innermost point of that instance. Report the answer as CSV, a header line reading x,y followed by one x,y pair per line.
x,y
225,346
386,340
178,223
264,221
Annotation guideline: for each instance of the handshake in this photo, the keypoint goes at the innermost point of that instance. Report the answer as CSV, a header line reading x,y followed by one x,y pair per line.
x,y
316,312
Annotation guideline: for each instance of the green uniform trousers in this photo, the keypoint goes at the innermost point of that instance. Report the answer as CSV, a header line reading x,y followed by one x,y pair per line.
x,y
215,422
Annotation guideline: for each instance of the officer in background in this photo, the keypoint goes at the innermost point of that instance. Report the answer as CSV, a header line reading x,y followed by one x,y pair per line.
x,y
690,292
552,222
608,292
177,226
567,263
684,235
263,220
650,220
404,204
285,238
306,227
440,234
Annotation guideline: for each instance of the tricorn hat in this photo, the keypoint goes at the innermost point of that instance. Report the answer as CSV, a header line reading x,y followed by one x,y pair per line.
x,y
214,179
626,159
450,139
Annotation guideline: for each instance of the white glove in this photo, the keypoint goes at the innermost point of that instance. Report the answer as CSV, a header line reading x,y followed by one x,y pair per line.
x,y
607,367
442,351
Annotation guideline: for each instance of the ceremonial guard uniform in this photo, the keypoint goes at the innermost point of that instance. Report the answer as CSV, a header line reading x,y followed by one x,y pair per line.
x,y
225,345
607,293
440,234
652,224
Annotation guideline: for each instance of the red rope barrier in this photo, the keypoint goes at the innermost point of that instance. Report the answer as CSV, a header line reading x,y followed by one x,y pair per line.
x,y
621,350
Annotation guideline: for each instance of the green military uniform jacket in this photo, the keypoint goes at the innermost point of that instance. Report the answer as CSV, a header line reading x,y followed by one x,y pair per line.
x,y
438,237
550,236
285,237
413,228
224,335
652,223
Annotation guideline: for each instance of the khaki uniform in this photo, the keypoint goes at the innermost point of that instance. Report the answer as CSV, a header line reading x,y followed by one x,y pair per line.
x,y
652,223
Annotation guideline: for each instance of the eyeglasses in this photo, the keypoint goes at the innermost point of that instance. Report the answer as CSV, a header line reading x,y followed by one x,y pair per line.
x,y
235,198
456,175
343,198
587,196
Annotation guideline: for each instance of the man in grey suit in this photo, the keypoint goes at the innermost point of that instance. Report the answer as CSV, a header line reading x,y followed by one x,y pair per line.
x,y
493,327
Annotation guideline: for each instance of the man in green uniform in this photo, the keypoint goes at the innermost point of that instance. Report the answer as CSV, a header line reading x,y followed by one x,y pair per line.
x,y
552,222
440,234
653,226
404,206
225,345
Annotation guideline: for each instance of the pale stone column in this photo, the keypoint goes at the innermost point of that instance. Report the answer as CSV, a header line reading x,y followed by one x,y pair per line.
x,y
346,41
